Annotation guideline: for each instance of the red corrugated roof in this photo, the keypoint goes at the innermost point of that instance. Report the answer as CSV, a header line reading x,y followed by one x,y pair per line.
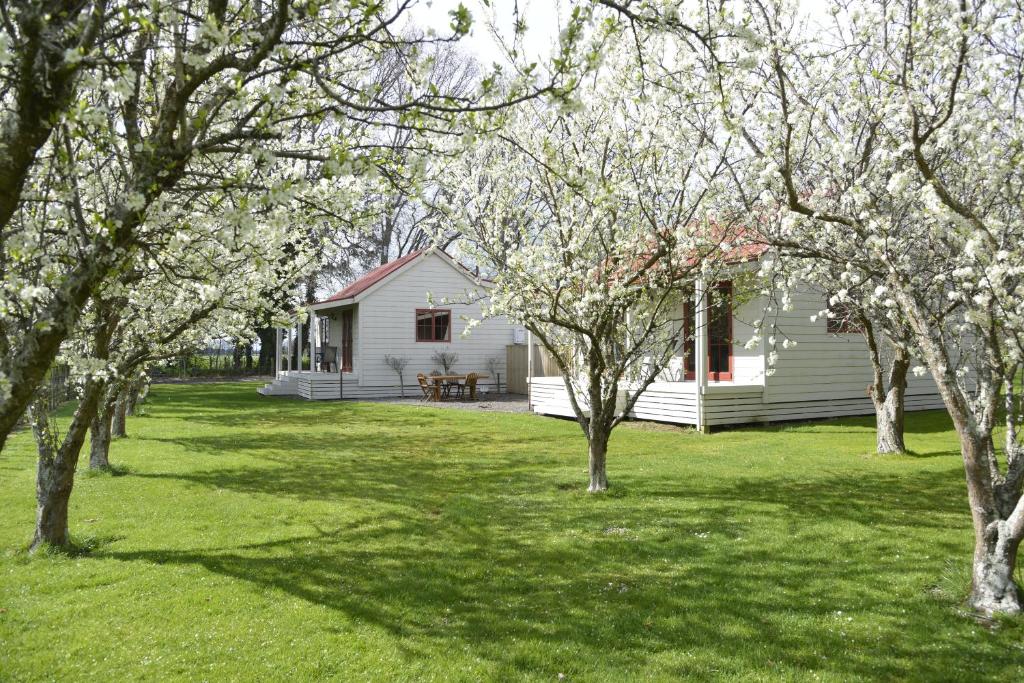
x,y
745,252
372,278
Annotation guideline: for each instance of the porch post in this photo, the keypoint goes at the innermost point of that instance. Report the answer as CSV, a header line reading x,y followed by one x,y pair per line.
x,y
277,352
286,359
312,340
296,348
700,349
529,370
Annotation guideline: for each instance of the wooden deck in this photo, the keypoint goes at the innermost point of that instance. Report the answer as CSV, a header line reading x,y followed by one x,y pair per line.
x,y
725,403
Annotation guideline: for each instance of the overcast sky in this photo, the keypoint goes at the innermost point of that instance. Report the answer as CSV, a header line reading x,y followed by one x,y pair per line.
x,y
542,22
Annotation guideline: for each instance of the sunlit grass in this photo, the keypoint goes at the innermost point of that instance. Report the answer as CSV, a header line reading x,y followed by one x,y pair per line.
x,y
254,538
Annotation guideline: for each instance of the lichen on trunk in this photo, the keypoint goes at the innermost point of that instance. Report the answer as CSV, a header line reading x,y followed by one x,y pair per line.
x,y
993,589
118,426
55,468
996,510
99,441
598,452
889,411
887,390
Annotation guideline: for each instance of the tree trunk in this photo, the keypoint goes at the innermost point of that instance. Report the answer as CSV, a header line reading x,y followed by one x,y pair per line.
x,y
132,397
99,442
236,357
118,427
887,397
889,430
55,469
993,590
889,412
268,338
994,500
54,480
598,456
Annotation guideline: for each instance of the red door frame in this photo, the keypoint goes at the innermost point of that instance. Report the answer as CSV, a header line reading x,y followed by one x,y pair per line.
x,y
346,340
689,371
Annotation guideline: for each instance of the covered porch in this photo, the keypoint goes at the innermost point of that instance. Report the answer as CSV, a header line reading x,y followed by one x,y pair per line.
x,y
308,361
712,380
319,340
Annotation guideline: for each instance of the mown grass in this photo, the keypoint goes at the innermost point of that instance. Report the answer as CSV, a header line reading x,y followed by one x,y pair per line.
x,y
251,538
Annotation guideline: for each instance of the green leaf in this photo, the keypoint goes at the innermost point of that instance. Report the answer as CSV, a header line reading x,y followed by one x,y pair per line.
x,y
462,20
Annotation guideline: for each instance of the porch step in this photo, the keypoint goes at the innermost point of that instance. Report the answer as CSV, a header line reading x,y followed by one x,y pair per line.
x,y
283,386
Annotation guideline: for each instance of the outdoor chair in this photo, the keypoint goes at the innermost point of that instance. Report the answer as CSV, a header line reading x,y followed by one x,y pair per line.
x,y
469,388
328,358
444,389
428,390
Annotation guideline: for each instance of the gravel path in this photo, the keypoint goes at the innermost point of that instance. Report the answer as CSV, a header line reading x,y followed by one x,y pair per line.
x,y
501,403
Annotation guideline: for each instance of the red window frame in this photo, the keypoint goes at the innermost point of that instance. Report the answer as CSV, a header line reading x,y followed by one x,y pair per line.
x,y
723,288
435,312
840,319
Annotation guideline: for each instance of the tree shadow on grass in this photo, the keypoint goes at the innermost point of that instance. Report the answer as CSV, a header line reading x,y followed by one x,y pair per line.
x,y
484,573
498,557
917,422
463,541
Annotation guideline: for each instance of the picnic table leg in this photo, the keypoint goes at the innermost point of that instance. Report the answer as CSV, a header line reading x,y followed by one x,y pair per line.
x,y
437,390
472,393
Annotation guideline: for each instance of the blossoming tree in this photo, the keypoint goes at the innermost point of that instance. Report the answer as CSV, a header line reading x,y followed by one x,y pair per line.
x,y
205,281
185,96
596,222
852,306
893,144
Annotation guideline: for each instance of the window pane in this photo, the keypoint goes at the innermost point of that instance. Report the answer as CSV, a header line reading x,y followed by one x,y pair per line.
x,y
719,359
842,318
424,326
719,314
441,326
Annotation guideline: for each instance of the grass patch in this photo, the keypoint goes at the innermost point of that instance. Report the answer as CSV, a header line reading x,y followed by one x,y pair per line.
x,y
266,539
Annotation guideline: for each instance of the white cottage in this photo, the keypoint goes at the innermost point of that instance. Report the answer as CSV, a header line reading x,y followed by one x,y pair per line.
x,y
388,311
718,381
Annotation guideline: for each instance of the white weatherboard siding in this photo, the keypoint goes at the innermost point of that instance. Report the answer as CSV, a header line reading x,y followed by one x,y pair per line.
x,y
748,364
384,323
824,375
387,322
824,366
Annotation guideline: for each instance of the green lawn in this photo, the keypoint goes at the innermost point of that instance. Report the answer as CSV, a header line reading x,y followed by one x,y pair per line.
x,y
257,538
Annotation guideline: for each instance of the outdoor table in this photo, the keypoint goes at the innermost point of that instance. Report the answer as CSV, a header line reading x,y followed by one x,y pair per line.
x,y
438,380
